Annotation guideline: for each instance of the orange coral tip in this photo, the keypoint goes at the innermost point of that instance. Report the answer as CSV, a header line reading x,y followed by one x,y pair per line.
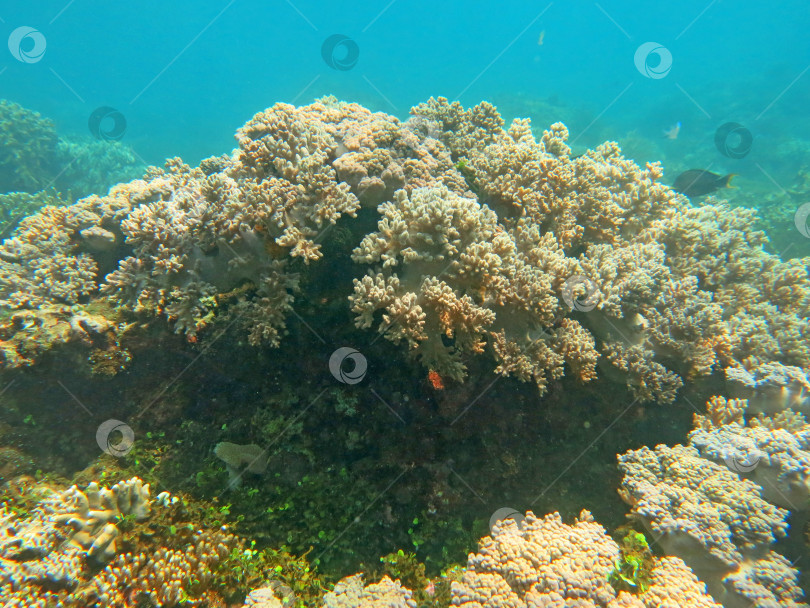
x,y
436,380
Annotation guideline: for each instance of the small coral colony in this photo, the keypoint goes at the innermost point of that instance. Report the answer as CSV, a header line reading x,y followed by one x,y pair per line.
x,y
473,249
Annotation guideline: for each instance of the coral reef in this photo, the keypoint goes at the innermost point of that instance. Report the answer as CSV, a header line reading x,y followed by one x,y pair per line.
x,y
595,233
263,597
17,205
544,562
27,149
91,514
771,451
770,388
33,157
50,546
487,241
670,488
164,577
717,522
449,248
462,131
66,551
350,593
91,166
49,267
200,252
474,247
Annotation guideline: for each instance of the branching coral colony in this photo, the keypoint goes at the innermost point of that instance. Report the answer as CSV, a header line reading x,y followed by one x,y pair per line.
x,y
467,240
553,263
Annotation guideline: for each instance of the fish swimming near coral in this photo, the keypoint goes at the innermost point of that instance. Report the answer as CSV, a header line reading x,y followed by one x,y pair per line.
x,y
697,182
672,132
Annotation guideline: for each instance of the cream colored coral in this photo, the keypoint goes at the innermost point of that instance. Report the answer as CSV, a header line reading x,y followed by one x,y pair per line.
x,y
672,583
721,411
349,592
698,510
451,281
546,563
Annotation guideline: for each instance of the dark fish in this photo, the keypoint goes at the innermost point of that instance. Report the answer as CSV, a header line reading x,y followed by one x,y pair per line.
x,y
697,182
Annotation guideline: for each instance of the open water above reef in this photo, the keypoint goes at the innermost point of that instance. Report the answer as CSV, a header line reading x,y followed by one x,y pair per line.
x,y
186,76
369,450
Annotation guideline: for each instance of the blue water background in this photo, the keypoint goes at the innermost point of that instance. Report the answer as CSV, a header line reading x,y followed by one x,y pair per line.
x,y
187,74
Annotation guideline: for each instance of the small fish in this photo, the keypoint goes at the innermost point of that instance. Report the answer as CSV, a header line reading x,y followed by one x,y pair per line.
x,y
672,132
697,182
541,38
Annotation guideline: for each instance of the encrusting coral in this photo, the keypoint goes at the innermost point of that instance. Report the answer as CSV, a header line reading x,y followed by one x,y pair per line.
x,y
487,241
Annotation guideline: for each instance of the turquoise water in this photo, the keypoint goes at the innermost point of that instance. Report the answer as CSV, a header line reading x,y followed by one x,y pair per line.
x,y
186,75
704,85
